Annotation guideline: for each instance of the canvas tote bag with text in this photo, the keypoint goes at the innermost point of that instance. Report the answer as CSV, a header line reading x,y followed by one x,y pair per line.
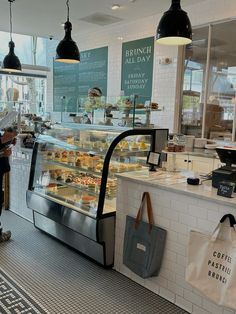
x,y
211,266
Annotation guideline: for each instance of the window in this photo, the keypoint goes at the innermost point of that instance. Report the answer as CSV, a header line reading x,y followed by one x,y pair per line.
x,y
208,98
24,48
25,90
28,92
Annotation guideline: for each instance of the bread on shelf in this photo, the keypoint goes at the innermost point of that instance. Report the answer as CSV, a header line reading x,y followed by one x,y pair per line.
x,y
122,168
49,155
142,145
70,140
133,146
99,167
118,147
57,156
52,187
124,144
113,168
64,156
71,157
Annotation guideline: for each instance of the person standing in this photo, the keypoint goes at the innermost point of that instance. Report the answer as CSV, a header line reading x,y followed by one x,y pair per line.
x,y
94,92
6,140
93,102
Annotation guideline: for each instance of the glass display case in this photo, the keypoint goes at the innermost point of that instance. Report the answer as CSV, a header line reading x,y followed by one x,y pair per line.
x,y
72,186
123,111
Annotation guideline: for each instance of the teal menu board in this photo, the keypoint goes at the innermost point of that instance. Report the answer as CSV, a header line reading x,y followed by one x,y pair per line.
x,y
65,86
72,81
93,70
137,68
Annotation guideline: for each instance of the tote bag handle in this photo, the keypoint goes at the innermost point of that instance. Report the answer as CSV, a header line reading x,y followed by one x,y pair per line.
x,y
230,234
146,196
232,219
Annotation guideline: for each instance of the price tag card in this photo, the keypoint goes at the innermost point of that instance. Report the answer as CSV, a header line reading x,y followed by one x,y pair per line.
x,y
226,188
153,158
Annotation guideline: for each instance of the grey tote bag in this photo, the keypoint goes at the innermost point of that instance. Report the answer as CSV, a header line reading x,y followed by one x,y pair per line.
x,y
144,243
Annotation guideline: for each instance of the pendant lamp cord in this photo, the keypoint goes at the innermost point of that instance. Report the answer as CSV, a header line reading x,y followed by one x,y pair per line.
x,y
68,10
10,1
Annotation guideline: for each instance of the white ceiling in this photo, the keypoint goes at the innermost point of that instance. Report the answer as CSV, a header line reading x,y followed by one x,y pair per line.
x,y
44,17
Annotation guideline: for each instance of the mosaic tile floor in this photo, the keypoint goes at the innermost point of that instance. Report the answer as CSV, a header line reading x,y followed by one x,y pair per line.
x,y
65,282
14,299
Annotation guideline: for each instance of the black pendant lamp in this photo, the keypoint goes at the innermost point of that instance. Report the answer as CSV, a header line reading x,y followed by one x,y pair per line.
x,y
67,51
11,62
174,27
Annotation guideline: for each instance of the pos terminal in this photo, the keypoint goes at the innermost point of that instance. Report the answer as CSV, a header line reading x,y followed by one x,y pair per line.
x,y
227,172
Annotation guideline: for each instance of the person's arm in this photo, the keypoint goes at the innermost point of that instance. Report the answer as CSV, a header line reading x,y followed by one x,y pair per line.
x,y
5,152
7,137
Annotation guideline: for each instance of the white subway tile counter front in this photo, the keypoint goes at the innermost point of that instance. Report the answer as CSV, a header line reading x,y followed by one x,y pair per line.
x,y
179,208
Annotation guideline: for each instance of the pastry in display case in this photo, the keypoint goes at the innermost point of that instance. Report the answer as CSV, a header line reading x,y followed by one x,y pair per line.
x,y
125,111
72,186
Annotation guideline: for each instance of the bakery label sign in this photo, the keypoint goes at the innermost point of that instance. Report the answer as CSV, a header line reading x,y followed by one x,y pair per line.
x,y
137,68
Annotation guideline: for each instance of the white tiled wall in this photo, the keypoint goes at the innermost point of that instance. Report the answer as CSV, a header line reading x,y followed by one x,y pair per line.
x,y
178,214
164,76
19,178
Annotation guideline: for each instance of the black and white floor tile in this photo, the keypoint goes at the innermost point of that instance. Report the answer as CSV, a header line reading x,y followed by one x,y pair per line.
x,y
14,299
58,280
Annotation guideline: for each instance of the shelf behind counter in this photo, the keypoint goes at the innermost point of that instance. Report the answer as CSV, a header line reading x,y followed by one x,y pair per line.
x,y
199,152
199,160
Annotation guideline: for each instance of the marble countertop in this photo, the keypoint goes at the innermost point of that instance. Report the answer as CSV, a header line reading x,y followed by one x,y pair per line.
x,y
199,152
177,182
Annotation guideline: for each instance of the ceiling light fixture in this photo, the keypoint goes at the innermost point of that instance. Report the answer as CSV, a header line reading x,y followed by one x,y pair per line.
x,y
115,7
11,62
67,50
174,27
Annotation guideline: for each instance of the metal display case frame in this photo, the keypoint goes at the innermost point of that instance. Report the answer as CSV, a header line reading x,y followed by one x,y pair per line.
x,y
92,235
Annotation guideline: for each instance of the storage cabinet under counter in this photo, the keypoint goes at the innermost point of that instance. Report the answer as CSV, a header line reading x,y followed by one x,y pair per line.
x,y
72,188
